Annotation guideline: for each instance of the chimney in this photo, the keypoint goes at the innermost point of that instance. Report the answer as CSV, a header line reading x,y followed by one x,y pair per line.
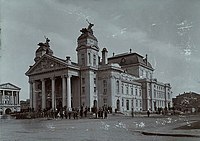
x,y
68,60
104,56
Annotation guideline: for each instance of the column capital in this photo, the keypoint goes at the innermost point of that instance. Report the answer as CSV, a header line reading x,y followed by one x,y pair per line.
x,y
43,79
68,75
63,76
53,78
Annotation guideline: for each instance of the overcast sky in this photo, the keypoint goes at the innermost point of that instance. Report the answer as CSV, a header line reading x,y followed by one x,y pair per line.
x,y
167,30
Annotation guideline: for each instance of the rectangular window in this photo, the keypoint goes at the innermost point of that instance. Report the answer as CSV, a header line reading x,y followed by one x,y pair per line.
x,y
89,57
117,85
122,88
104,91
94,60
140,92
136,103
105,101
94,80
132,102
83,80
127,104
95,89
136,92
83,90
104,83
83,59
127,91
131,90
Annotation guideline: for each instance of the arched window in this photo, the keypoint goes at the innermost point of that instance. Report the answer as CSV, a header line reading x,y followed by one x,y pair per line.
x,y
117,85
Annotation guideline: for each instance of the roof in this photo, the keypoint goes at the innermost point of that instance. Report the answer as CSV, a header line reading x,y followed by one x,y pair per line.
x,y
44,64
9,86
130,58
188,94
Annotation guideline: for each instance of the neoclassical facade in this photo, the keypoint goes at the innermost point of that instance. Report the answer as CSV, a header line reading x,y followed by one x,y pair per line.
x,y
123,81
9,98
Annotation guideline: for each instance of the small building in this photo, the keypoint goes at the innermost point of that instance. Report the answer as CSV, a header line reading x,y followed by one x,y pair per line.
x,y
187,102
9,98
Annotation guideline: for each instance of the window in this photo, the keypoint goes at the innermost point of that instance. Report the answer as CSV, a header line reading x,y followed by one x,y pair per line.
x,y
105,101
154,93
94,60
95,89
83,90
89,58
82,59
132,102
140,103
104,91
140,92
131,90
127,91
104,83
117,85
136,92
122,88
83,80
94,80
127,104
122,102
136,103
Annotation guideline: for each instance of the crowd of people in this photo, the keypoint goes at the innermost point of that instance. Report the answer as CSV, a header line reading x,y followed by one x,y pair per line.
x,y
67,113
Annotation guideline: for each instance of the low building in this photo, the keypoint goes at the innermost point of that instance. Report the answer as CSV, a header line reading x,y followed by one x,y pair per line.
x,y
9,98
187,102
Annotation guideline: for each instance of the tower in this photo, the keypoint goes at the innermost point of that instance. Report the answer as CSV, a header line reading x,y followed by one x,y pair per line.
x,y
44,48
88,60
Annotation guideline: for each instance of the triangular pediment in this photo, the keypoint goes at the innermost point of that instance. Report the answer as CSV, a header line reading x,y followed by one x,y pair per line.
x,y
46,64
9,86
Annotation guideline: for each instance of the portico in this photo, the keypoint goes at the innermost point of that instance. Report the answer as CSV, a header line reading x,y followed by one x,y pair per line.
x,y
51,85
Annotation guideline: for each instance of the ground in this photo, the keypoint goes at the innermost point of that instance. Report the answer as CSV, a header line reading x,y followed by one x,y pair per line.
x,y
115,128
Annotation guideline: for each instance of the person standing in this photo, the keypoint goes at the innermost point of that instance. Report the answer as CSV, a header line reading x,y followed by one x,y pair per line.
x,y
148,113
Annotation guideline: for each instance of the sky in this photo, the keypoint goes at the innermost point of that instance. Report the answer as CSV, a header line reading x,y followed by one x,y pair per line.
x,y
167,30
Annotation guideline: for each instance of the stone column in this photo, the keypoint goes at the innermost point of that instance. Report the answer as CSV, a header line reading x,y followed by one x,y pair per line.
x,y
43,95
63,91
31,94
53,92
34,97
69,105
13,100
3,97
18,98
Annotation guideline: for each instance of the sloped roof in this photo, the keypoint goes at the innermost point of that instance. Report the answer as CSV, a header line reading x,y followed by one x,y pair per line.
x,y
130,58
45,62
9,86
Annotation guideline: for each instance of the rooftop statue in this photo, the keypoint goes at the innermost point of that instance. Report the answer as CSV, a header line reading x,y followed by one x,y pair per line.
x,y
89,29
46,42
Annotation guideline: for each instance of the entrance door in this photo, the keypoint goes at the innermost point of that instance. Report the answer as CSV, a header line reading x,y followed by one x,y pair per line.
x,y
8,111
95,103
118,105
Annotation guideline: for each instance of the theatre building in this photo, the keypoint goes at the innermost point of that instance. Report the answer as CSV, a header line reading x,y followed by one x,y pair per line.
x,y
123,81
9,98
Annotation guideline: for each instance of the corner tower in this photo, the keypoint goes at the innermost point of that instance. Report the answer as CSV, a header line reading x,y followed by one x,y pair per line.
x,y
43,48
87,50
88,60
